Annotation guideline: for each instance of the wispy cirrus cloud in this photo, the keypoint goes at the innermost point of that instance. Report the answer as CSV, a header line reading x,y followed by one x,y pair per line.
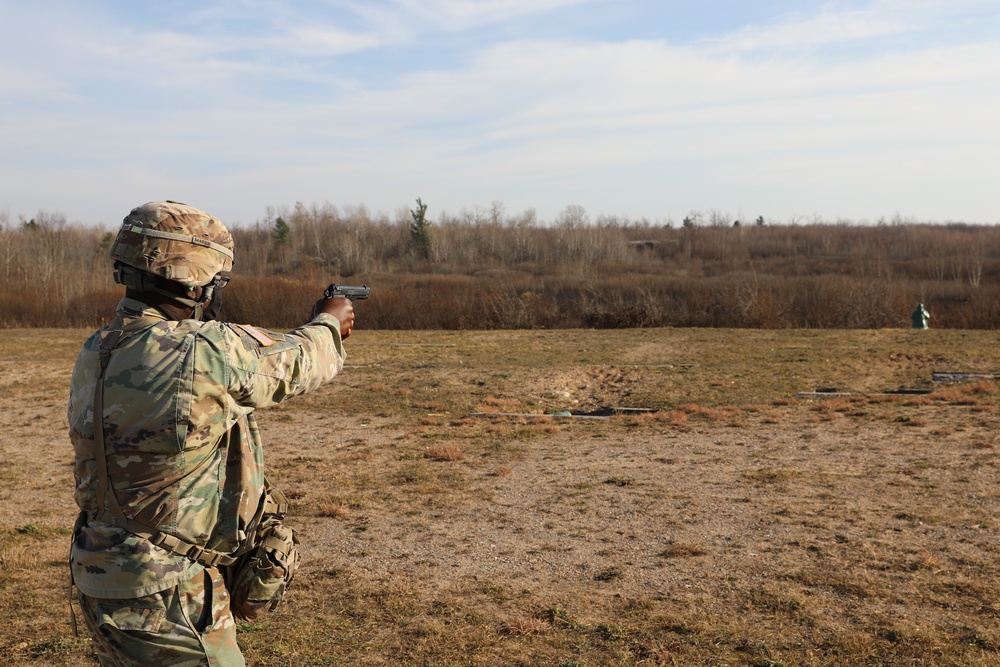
x,y
861,24
461,14
828,27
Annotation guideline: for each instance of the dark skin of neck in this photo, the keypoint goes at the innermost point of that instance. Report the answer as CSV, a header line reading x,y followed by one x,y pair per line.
x,y
171,309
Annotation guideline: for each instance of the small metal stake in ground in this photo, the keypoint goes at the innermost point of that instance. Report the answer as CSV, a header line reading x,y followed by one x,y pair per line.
x,y
602,414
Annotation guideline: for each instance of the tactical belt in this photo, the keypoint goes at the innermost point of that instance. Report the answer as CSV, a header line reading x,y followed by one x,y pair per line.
x,y
108,509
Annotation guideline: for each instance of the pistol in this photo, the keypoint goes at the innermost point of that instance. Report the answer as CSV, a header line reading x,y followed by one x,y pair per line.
x,y
352,292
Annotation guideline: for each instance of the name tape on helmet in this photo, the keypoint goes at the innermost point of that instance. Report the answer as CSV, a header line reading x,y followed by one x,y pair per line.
x,y
193,240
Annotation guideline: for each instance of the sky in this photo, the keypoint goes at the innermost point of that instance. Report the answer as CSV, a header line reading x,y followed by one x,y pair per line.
x,y
794,111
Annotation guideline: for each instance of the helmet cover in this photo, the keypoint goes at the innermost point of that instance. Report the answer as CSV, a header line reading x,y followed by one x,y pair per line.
x,y
175,241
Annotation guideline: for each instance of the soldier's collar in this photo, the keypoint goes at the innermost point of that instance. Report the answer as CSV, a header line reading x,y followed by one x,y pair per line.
x,y
129,307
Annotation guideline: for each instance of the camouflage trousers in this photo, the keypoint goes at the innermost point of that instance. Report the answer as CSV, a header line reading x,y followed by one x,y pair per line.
x,y
189,625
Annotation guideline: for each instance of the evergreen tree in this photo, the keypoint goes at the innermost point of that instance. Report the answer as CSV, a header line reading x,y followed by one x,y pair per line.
x,y
420,229
282,232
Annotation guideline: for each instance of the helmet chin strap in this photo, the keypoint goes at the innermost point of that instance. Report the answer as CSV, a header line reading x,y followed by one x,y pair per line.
x,y
197,307
142,281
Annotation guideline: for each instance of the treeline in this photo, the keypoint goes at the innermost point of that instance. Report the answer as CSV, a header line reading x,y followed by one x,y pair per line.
x,y
486,269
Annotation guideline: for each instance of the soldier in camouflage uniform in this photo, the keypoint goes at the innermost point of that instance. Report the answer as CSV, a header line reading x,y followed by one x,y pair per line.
x,y
170,479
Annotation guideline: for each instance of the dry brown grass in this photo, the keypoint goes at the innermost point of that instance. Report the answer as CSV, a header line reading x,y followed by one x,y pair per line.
x,y
526,626
332,507
841,531
684,550
445,453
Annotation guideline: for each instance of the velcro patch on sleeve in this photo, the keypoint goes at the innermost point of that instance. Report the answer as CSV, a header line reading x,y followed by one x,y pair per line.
x,y
257,335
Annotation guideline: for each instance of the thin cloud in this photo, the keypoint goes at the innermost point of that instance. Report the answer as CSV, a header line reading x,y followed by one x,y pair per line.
x,y
327,41
462,14
830,27
839,24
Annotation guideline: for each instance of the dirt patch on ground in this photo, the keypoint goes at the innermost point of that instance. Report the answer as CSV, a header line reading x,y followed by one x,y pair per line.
x,y
583,389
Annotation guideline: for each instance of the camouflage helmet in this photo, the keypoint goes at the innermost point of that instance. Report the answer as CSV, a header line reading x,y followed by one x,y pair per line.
x,y
175,241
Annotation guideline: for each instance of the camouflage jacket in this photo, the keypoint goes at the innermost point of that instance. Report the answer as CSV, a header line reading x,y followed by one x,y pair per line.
x,y
184,453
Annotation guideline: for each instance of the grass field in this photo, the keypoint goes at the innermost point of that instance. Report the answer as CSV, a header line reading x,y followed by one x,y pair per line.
x,y
446,520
